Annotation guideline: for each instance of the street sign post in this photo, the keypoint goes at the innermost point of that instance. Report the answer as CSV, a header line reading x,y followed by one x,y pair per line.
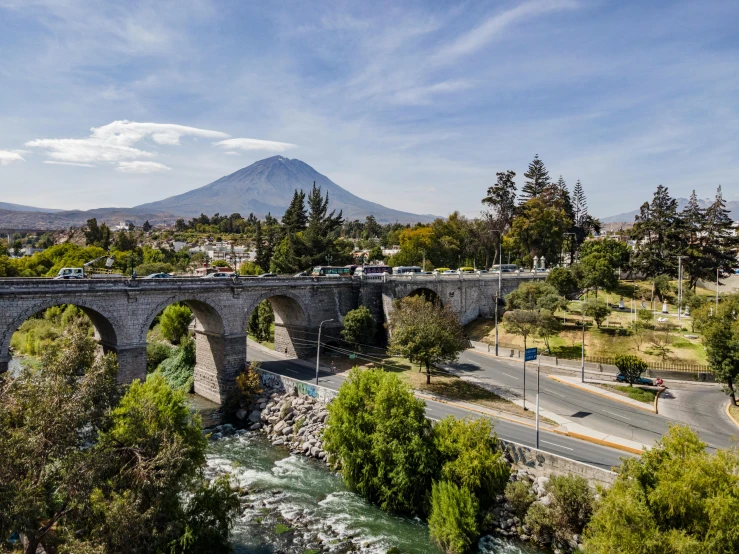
x,y
529,355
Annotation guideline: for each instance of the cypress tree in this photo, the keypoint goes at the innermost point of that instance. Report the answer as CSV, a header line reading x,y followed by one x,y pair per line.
x,y
295,218
658,236
538,180
721,238
579,203
261,259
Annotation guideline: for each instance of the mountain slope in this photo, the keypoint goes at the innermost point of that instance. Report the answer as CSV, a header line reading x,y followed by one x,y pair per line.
x,y
628,217
267,186
20,208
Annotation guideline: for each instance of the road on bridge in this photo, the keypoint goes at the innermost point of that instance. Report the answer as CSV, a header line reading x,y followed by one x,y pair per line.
x,y
601,413
567,447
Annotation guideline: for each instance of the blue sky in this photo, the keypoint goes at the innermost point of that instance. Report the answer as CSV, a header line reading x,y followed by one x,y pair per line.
x,y
414,105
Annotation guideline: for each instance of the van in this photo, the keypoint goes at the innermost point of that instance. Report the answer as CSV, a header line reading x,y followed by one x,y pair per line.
x,y
71,273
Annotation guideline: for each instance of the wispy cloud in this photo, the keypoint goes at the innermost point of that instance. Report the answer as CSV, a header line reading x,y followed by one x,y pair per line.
x,y
114,142
424,94
480,36
141,167
8,157
249,145
73,164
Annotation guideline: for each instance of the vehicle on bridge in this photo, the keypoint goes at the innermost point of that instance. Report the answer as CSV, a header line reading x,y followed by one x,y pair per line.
x,y
161,275
466,269
71,273
505,268
373,270
439,270
218,275
333,271
405,269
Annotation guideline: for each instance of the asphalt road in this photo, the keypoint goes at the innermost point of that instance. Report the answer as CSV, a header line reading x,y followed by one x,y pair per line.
x,y
575,449
701,408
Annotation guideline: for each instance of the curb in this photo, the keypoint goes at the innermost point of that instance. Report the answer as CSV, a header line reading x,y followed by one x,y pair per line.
x,y
728,413
554,377
609,444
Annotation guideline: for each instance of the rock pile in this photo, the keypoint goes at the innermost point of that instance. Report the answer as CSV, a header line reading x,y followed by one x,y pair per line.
x,y
289,420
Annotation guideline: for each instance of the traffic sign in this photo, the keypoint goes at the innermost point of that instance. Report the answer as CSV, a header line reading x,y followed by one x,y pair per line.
x,y
530,354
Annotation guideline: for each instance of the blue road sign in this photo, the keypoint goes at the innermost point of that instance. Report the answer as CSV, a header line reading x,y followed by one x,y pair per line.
x,y
530,354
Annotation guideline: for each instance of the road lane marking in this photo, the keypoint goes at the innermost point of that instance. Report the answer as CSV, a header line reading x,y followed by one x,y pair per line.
x,y
511,376
557,445
624,417
552,392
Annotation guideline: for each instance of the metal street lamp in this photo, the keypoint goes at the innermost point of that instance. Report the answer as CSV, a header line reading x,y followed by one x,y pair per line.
x,y
500,282
318,352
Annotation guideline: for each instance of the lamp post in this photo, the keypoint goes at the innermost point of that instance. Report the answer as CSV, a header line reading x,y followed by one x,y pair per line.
x,y
500,282
318,352
582,362
679,287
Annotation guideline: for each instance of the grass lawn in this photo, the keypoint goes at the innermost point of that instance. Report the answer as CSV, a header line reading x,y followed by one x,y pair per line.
x,y
635,393
453,387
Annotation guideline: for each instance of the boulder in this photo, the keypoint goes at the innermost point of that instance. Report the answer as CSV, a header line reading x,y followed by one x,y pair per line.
x,y
255,427
255,416
279,426
241,413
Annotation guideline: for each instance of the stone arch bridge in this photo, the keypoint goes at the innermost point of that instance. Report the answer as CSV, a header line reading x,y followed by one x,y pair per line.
x,y
122,312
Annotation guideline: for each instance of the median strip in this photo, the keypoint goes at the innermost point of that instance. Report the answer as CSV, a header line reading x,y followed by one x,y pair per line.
x,y
572,382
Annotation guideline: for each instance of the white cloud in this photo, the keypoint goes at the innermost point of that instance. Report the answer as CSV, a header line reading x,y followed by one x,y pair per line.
x,y
114,142
7,157
141,167
248,145
231,153
482,34
52,162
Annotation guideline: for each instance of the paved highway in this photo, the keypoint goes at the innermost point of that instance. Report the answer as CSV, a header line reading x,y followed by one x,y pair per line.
x,y
600,413
575,449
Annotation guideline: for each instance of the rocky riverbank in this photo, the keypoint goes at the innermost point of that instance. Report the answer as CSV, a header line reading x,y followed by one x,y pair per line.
x,y
296,422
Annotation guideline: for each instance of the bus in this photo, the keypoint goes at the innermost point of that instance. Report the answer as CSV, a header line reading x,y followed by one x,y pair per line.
x,y
506,268
404,269
373,270
333,271
466,269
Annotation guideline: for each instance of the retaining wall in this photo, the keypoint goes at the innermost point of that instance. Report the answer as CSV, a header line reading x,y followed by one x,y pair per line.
x,y
523,457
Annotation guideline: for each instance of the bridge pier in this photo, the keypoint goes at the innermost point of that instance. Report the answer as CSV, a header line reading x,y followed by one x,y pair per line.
x,y
219,358
4,363
131,362
296,341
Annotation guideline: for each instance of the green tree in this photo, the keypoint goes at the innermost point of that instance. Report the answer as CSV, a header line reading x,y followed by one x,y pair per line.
x,y
146,227
521,322
48,418
538,229
598,272
721,340
295,218
375,254
97,235
597,309
175,321
657,232
359,327
675,498
453,519
549,326
537,180
378,435
287,257
261,321
617,252
563,280
501,198
469,457
533,296
154,267
178,369
630,367
425,332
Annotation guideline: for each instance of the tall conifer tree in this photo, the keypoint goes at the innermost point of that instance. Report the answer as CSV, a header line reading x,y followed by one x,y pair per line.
x,y
537,180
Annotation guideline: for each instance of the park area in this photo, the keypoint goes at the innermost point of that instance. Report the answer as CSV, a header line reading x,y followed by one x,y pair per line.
x,y
662,340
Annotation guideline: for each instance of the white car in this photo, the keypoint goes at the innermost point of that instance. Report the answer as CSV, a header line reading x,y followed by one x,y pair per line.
x,y
70,273
218,275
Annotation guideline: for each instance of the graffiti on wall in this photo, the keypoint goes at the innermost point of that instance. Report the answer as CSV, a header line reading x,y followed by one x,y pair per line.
x,y
287,384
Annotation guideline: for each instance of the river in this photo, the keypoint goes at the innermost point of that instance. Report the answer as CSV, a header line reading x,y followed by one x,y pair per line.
x,y
297,506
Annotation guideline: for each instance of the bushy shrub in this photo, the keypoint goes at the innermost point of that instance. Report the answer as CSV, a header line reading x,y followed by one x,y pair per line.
x,y
178,369
572,504
520,496
630,367
156,353
539,521
453,519
248,386
174,322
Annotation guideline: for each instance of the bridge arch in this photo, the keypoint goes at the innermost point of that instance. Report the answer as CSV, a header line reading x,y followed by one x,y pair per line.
x,y
219,354
293,336
108,329
427,293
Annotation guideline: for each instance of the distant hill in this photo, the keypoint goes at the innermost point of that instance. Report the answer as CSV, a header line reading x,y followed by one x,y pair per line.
x,y
628,217
19,208
268,186
10,219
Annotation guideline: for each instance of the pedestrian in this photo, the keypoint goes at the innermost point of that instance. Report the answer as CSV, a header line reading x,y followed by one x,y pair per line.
x,y
333,367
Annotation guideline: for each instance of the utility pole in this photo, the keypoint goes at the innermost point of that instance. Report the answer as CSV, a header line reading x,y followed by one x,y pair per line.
x,y
318,351
538,368
679,287
717,270
582,362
